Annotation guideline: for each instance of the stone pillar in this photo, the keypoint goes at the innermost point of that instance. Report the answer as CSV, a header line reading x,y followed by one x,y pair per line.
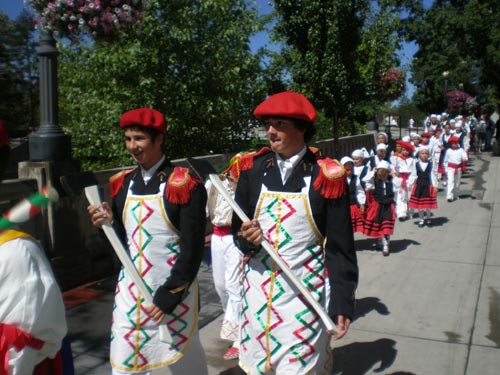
x,y
49,142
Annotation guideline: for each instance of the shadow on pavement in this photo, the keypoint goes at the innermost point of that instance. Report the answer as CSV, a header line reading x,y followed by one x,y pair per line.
x,y
368,304
360,357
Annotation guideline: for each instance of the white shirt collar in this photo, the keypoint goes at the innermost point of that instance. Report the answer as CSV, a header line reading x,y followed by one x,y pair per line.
x,y
147,174
287,165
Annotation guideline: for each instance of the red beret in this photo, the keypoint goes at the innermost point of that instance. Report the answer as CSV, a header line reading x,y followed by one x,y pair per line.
x,y
147,117
4,137
454,139
426,135
406,145
286,104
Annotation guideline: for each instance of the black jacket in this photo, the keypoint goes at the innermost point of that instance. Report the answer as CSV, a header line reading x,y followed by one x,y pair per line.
x,y
332,217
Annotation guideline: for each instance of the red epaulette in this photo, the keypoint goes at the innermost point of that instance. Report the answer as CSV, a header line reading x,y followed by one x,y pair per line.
x,y
116,181
180,185
246,161
331,178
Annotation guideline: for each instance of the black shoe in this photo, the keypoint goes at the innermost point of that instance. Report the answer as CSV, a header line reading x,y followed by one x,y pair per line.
x,y
428,222
421,224
450,200
402,218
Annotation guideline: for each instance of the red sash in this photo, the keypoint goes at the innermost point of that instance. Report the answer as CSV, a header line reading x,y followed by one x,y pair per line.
x,y
13,336
222,230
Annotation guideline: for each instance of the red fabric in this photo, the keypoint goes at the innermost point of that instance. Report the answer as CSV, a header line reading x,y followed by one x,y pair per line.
x,y
50,366
222,230
286,104
454,139
331,179
357,219
404,177
116,182
11,336
456,167
422,203
180,185
406,145
147,117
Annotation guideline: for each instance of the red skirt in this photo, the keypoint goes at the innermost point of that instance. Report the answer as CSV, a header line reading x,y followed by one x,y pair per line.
x,y
379,218
357,219
423,197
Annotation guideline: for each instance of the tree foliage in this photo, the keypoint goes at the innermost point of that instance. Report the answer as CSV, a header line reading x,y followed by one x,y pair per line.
x,y
337,53
458,49
189,59
18,74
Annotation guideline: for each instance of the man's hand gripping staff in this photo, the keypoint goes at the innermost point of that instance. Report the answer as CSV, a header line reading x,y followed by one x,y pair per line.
x,y
330,326
92,194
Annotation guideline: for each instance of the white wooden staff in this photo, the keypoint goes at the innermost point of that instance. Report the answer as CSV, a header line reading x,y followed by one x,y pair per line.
x,y
330,326
92,194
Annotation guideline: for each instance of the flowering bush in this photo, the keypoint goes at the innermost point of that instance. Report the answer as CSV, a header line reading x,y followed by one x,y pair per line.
x,y
98,18
459,101
393,83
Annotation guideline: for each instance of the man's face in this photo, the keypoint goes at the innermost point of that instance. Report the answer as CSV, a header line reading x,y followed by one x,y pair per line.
x,y
144,151
284,137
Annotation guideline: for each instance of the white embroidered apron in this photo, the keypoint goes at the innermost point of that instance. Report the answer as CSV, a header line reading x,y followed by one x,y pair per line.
x,y
279,331
153,243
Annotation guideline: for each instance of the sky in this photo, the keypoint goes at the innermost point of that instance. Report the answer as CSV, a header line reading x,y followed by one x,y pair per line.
x,y
13,7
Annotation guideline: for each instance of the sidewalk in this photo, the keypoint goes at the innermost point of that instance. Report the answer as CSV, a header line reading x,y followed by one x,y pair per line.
x,y
431,307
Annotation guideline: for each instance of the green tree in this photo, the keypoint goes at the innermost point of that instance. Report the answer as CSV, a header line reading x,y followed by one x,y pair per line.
x,y
189,59
452,39
337,53
18,74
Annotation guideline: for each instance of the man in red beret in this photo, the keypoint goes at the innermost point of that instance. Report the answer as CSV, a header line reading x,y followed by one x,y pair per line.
x,y
159,210
296,202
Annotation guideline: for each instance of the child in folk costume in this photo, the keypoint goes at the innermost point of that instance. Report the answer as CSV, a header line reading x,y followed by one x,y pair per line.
x,y
424,182
455,162
380,214
444,146
226,257
360,169
396,153
402,166
159,210
380,154
357,196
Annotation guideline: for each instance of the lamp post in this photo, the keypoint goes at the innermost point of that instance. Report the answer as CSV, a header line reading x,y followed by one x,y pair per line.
x,y
48,143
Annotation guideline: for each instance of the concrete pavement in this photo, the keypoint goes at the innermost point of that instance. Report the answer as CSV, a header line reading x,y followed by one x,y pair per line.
x,y
431,307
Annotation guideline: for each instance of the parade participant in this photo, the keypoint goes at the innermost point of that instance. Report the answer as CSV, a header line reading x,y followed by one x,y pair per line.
x,y
424,182
380,154
357,196
444,146
433,124
381,138
455,162
32,313
160,210
296,202
462,135
226,257
415,141
402,168
380,214
443,120
396,153
360,168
